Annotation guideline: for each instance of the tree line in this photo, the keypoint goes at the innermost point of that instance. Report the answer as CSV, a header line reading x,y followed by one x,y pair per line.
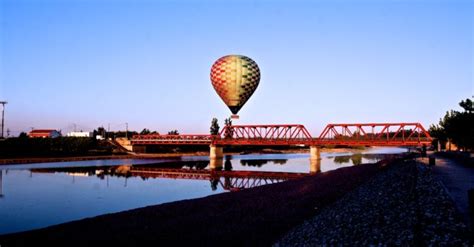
x,y
48,147
456,127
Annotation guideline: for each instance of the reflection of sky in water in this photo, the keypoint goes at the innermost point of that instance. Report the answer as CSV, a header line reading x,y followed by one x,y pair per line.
x,y
75,190
37,199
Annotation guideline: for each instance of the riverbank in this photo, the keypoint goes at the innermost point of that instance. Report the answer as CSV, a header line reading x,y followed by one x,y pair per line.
x,y
258,216
404,205
11,161
30,160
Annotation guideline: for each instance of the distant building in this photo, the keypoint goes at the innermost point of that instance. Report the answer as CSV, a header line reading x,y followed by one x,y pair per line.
x,y
79,134
44,133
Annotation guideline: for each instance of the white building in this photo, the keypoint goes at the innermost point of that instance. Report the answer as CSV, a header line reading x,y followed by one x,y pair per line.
x,y
79,134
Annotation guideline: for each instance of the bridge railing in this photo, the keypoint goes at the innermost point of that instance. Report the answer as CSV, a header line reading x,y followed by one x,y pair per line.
x,y
371,142
376,133
277,132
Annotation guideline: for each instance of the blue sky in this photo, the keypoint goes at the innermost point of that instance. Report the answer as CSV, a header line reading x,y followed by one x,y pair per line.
x,y
147,63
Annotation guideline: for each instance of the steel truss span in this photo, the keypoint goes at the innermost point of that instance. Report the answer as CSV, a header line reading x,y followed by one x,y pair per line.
x,y
356,134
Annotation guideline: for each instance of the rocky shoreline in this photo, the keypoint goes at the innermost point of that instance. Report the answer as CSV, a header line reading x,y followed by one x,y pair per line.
x,y
403,205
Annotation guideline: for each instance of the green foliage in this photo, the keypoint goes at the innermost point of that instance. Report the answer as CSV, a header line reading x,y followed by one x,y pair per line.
x,y
467,105
214,130
145,131
228,122
41,147
356,159
173,132
121,134
101,131
229,131
342,159
457,127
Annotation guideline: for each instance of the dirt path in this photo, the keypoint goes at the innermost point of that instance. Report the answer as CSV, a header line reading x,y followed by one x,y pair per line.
x,y
457,179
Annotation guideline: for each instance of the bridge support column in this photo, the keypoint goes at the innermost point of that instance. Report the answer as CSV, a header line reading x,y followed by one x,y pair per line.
x,y
216,163
315,152
314,165
216,152
315,159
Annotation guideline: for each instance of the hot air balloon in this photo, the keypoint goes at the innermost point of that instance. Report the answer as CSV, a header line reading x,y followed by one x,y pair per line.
x,y
235,78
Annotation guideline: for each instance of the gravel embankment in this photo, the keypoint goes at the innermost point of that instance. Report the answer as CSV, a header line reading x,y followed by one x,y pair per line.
x,y
402,205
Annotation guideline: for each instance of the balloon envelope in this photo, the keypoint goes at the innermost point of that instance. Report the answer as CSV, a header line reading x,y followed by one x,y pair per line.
x,y
235,78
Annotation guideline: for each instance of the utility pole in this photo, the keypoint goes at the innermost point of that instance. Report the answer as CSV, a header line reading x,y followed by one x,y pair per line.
x,y
126,130
3,115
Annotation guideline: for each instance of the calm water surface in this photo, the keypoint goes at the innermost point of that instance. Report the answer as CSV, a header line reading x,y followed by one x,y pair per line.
x,y
38,195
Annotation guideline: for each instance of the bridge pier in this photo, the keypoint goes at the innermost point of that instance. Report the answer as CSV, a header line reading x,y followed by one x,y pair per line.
x,y
315,159
314,165
216,163
315,152
216,152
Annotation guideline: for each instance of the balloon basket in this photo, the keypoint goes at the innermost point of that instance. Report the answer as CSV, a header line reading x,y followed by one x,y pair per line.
x,y
234,116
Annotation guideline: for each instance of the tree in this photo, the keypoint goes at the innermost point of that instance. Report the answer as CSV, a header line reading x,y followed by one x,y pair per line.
x,y
467,105
145,131
100,131
214,130
456,127
229,131
23,135
173,132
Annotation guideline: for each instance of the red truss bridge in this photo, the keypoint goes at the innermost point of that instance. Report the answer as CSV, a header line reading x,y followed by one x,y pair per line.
x,y
357,134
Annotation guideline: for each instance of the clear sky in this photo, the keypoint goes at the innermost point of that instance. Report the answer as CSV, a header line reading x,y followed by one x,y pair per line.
x,y
147,63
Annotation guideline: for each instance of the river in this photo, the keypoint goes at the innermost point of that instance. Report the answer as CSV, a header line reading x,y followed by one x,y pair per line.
x,y
39,195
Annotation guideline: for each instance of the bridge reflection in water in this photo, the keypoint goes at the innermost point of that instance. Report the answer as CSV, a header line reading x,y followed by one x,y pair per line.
x,y
220,172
